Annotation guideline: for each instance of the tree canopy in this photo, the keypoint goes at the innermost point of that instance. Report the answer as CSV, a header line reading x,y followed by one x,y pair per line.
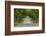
x,y
19,14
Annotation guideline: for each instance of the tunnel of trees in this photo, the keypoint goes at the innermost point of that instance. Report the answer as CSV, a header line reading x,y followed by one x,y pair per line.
x,y
19,14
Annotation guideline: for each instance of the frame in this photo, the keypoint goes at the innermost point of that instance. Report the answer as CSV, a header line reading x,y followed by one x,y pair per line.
x,y
8,19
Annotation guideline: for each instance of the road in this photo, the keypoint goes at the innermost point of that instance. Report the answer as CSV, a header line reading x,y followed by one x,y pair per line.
x,y
26,25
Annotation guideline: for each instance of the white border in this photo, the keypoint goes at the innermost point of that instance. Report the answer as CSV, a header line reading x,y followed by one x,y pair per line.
x,y
25,28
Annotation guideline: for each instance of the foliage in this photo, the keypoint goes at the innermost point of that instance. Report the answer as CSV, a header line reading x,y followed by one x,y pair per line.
x,y
19,14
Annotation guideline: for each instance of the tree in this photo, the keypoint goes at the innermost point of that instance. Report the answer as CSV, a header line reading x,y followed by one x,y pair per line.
x,y
19,14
